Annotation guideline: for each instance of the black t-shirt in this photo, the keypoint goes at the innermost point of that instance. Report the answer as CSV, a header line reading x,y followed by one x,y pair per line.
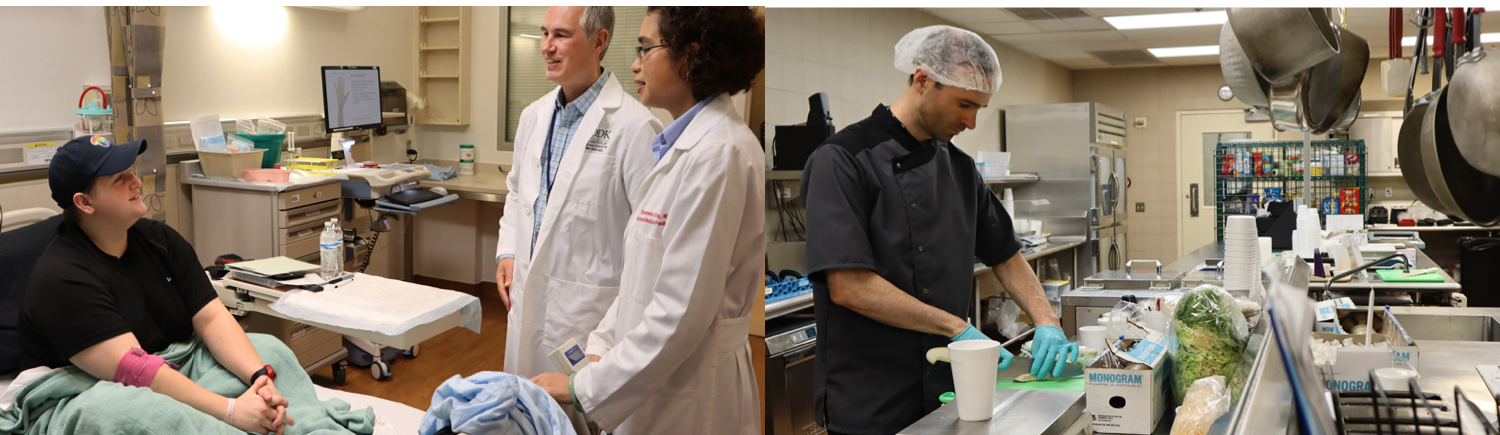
x,y
917,215
80,296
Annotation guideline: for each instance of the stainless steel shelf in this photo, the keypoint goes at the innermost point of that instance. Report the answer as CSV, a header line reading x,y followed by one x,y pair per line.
x,y
784,306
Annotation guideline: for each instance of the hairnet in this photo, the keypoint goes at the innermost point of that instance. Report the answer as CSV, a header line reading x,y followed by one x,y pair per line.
x,y
950,55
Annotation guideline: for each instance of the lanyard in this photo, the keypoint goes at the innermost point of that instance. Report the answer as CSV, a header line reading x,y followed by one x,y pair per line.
x,y
547,175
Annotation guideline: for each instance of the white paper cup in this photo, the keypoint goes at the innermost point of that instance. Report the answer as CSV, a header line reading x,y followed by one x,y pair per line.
x,y
974,371
1091,337
1394,379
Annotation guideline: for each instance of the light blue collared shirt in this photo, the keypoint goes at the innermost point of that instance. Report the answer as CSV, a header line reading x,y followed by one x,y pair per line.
x,y
565,120
668,137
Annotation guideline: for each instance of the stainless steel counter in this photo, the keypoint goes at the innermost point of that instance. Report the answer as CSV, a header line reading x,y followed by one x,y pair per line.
x,y
1037,252
1020,412
1442,366
1190,264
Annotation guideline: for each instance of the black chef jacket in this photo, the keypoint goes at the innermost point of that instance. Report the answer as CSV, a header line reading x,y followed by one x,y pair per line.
x,y
917,215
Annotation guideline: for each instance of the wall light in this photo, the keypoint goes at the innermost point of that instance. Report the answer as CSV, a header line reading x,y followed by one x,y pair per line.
x,y
251,23
1202,50
523,35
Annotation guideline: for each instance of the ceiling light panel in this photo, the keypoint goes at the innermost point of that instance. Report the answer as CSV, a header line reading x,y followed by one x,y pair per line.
x,y
1157,21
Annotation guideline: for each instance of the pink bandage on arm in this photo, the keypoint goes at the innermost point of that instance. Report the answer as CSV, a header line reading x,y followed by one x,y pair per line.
x,y
137,368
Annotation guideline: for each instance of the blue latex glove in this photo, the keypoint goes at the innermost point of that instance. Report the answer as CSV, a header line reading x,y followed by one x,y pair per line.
x,y
1048,345
972,333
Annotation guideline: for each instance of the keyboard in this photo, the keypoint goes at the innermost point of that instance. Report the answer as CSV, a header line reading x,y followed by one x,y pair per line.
x,y
414,196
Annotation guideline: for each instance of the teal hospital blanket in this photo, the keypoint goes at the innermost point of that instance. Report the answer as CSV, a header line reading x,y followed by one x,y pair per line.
x,y
70,401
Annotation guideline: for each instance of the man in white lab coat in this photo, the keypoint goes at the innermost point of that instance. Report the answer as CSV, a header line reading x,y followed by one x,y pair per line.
x,y
580,153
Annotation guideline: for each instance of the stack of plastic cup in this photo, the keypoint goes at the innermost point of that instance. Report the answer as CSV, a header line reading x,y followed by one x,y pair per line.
x,y
1309,233
1241,253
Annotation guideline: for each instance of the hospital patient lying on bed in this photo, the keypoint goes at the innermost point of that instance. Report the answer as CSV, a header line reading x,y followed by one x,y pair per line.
x,y
142,314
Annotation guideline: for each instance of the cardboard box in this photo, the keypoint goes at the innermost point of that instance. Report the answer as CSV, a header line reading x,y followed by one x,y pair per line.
x,y
1127,401
1351,372
1402,354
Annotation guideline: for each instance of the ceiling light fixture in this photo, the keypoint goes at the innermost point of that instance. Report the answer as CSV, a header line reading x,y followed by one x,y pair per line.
x,y
1178,19
1201,50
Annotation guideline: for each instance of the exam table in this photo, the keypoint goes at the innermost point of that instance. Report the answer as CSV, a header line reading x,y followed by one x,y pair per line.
x,y
257,302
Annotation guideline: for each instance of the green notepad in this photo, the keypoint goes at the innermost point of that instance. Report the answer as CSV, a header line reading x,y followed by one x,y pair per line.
x,y
1392,274
1070,384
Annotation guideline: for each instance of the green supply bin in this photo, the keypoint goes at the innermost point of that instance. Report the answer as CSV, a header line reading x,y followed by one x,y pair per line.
x,y
269,142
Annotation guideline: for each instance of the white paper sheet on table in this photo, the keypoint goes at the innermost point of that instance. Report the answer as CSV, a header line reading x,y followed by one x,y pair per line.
x,y
373,303
205,126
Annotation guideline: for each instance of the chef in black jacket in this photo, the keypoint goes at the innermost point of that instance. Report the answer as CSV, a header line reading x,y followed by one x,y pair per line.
x,y
896,215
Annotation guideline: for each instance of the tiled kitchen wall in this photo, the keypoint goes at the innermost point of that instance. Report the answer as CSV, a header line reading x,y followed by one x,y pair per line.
x,y
1155,94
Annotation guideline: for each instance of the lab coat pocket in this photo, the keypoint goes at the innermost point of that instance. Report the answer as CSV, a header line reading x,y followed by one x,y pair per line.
x,y
592,183
573,310
641,281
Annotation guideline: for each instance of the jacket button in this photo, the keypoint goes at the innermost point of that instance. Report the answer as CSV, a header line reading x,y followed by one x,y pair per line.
x,y
920,249
898,165
913,206
925,292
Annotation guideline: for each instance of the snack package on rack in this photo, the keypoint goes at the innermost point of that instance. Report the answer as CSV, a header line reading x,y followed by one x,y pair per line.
x,y
1207,400
1210,334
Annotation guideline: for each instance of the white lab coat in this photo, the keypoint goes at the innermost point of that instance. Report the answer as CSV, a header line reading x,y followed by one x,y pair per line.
x,y
675,354
563,288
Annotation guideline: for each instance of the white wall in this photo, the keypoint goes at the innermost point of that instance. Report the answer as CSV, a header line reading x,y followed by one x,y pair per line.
x,y
209,70
49,54
849,54
486,98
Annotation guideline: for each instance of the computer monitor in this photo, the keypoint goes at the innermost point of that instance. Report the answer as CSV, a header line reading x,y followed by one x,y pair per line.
x,y
351,97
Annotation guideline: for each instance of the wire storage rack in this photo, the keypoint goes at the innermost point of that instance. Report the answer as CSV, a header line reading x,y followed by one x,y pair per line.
x,y
1253,174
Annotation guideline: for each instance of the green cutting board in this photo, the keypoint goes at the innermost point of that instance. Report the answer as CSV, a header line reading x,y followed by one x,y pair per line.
x,y
1392,274
1070,384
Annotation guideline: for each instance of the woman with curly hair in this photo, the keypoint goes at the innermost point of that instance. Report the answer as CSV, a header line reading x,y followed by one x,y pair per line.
x,y
670,356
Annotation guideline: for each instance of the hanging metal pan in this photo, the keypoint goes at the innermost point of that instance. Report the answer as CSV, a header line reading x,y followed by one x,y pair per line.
x,y
1409,153
1355,57
1250,88
1475,100
1461,188
1281,42
1301,102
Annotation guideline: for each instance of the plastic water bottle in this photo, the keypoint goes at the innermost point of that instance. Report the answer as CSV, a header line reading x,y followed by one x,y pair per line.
x,y
331,250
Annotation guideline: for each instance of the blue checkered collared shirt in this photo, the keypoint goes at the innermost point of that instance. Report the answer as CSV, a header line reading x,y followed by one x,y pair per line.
x,y
565,120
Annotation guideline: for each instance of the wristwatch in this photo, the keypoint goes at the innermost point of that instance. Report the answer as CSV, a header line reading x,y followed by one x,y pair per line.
x,y
264,371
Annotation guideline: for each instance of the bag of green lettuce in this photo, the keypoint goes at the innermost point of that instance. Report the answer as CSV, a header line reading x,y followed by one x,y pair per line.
x,y
1211,333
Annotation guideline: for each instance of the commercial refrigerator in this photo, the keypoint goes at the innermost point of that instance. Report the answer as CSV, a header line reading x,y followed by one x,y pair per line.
x,y
1078,152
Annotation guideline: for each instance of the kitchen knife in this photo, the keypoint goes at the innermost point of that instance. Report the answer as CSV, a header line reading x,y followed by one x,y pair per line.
x,y
1069,370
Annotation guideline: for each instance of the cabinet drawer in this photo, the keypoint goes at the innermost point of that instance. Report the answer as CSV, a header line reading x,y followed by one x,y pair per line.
x,y
312,213
301,240
308,195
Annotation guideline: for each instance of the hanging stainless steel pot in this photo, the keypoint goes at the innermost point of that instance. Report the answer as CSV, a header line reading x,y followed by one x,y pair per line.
x,y
1475,118
1301,102
1250,88
1462,189
1355,56
1282,42
1409,153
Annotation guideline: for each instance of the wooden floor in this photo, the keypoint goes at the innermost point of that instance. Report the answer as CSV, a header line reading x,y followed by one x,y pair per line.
x,y
462,352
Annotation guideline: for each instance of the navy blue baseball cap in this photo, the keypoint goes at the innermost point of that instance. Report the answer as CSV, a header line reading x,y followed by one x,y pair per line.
x,y
84,158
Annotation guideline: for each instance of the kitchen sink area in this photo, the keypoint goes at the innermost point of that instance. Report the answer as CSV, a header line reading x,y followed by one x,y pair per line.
x,y
1460,327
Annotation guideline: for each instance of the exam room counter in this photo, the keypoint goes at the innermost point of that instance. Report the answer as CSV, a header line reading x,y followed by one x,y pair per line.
x,y
487,183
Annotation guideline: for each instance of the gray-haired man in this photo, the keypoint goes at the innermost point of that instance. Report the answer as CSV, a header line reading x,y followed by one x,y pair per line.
x,y
580,153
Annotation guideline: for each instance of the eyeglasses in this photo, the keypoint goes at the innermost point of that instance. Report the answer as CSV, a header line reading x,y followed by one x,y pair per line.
x,y
641,51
